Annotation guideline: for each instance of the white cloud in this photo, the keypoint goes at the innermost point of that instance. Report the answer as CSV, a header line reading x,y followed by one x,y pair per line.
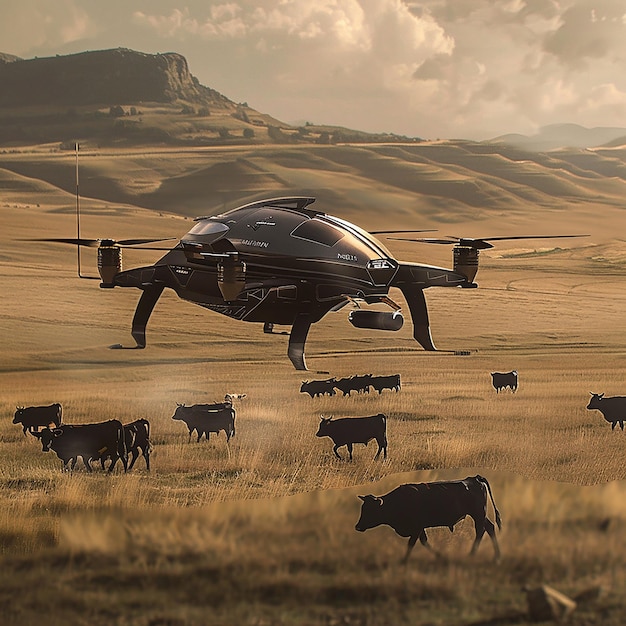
x,y
464,68
31,23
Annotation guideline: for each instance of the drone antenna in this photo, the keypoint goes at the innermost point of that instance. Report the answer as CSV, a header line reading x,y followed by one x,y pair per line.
x,y
77,214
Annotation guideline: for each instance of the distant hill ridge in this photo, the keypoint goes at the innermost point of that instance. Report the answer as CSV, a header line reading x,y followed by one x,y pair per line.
x,y
102,77
555,136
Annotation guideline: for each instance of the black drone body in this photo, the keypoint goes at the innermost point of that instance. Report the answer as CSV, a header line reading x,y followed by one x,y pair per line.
x,y
277,261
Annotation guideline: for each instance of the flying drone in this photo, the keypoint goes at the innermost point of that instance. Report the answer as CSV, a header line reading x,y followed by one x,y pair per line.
x,y
279,261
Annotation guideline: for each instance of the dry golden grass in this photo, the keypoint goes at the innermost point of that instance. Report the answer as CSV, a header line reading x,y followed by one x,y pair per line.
x,y
260,530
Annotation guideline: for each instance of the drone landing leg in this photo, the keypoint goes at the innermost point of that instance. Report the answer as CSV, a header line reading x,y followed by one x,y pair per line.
x,y
297,339
419,314
144,309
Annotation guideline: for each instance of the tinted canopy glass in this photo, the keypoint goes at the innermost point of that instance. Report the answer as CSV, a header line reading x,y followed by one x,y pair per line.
x,y
318,232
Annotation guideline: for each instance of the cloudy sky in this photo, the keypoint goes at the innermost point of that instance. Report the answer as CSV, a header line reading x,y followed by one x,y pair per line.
x,y
470,69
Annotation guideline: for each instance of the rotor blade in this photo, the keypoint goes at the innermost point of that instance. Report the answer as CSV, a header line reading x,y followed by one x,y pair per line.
x,y
522,237
145,248
388,232
91,243
480,242
137,242
425,240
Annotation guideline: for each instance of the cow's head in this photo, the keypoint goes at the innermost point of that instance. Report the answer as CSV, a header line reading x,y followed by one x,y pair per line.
x,y
323,430
594,403
181,409
18,414
47,436
370,512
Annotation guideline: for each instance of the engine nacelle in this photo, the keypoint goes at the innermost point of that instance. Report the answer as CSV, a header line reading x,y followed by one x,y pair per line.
x,y
466,261
231,278
109,262
377,320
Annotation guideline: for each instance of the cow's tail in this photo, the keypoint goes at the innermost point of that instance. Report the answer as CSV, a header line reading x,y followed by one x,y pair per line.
x,y
486,483
121,445
149,444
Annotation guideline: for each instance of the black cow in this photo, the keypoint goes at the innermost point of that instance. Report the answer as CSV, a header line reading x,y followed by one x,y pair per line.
x,y
613,409
318,387
88,441
358,383
207,418
137,441
347,431
386,382
502,380
411,508
34,417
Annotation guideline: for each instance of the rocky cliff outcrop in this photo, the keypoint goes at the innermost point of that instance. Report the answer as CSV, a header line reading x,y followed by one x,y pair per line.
x,y
102,77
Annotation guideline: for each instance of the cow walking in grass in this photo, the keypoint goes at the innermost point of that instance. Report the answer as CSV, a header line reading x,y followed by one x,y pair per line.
x,y
137,441
207,418
613,409
32,418
502,380
318,387
412,508
350,430
379,383
88,441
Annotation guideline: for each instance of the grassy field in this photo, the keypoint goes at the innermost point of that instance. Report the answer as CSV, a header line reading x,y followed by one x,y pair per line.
x,y
261,530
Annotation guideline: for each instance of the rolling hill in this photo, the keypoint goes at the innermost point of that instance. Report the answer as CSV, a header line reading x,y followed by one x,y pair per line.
x,y
125,97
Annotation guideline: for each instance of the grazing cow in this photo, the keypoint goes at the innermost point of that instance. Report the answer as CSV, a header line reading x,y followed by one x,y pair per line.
x,y
137,441
411,508
360,384
502,380
34,417
344,385
318,387
89,441
207,418
347,431
613,409
386,382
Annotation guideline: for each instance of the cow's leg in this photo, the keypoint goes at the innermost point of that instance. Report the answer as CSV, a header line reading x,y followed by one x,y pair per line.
x,y
613,425
297,339
382,445
335,450
491,531
146,455
482,525
114,459
145,307
349,446
135,454
621,423
409,548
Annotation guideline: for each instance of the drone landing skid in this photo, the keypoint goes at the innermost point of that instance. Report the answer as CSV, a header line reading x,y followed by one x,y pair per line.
x,y
419,314
145,306
297,339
